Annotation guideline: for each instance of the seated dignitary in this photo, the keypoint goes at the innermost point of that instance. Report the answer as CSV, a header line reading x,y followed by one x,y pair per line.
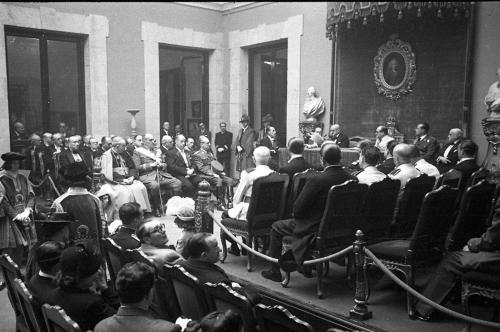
x,y
382,135
134,285
153,173
180,166
405,170
296,163
481,254
73,154
84,207
427,145
82,290
467,151
190,146
202,162
421,164
131,218
154,243
202,252
336,136
270,141
448,154
368,159
117,170
48,255
307,210
388,165
167,143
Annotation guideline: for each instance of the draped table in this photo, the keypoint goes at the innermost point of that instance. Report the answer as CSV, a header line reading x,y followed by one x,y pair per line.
x,y
312,156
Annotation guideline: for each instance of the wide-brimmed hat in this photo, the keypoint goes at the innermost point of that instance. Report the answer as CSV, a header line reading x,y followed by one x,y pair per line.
x,y
9,156
245,118
75,173
80,261
267,118
54,223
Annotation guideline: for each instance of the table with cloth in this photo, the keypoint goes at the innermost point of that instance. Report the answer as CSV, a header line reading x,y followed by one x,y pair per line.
x,y
312,156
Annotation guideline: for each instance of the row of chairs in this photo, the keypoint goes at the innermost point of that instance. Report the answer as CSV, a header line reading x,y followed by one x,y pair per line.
x,y
29,318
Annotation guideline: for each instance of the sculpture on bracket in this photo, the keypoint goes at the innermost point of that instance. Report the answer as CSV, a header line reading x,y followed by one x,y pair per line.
x,y
491,129
314,106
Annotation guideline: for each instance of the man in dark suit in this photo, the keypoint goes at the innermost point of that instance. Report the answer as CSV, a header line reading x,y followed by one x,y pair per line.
x,y
481,253
388,164
467,151
167,143
270,142
308,210
73,154
223,141
131,217
165,130
336,136
179,165
297,163
245,144
448,154
427,145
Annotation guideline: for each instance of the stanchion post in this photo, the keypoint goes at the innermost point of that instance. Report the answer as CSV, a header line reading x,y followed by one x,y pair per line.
x,y
203,221
360,310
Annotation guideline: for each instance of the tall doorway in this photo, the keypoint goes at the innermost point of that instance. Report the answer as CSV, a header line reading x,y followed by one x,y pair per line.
x,y
183,88
268,86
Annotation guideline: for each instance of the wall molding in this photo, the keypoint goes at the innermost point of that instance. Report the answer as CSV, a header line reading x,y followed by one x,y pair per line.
x,y
95,27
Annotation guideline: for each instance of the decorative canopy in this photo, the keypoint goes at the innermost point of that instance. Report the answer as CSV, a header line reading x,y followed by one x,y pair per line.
x,y
340,14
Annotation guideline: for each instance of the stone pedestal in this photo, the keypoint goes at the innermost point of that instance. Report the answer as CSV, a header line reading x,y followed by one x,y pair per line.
x,y
307,127
203,221
491,129
133,124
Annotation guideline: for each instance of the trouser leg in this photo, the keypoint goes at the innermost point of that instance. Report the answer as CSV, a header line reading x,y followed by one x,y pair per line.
x,y
187,186
279,229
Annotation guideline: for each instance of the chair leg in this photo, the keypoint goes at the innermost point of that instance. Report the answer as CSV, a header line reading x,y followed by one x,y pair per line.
x,y
327,268
410,281
285,281
249,255
224,246
465,300
319,286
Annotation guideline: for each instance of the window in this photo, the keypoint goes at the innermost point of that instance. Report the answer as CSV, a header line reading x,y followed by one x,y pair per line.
x,y
45,80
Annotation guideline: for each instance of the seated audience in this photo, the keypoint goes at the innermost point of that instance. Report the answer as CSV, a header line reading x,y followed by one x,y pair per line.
x,y
131,218
382,135
82,290
405,170
202,252
190,146
467,151
421,164
388,165
270,141
448,154
481,253
427,145
154,243
73,154
134,285
296,163
307,210
48,255
368,159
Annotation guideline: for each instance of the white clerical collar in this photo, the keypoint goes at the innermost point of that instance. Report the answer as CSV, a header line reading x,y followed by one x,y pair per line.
x,y
422,137
295,157
46,275
77,191
464,159
270,138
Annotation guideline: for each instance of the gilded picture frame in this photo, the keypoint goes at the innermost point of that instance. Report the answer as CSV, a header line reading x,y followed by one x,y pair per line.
x,y
394,69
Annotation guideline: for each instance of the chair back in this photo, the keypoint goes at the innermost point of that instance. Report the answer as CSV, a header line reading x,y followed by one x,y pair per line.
x,y
452,178
221,297
298,182
473,213
477,176
165,303
137,255
268,201
494,199
190,295
342,214
409,204
434,221
11,271
114,256
57,320
279,319
378,208
28,307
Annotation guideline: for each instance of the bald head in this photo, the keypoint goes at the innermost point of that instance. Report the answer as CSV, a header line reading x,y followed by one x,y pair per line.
x,y
334,130
261,155
455,134
402,154
167,141
117,140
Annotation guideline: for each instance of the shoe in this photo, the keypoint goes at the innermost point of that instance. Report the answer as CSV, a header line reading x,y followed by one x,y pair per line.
x,y
421,317
234,251
272,275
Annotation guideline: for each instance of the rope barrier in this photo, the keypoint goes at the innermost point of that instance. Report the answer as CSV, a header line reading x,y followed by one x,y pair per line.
x,y
45,178
339,254
426,300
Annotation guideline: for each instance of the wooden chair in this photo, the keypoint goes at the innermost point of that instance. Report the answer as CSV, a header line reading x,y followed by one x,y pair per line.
x,y
279,319
452,178
11,271
33,320
165,303
57,320
114,257
494,199
478,176
341,216
188,291
220,297
427,241
267,205
408,206
298,182
473,213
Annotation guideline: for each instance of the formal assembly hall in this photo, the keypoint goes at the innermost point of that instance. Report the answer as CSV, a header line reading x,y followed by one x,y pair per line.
x,y
250,166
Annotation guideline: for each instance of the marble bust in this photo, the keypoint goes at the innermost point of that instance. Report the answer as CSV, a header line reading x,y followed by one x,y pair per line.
x,y
314,106
492,99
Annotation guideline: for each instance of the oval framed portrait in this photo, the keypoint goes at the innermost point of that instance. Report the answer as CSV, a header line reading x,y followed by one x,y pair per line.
x,y
394,69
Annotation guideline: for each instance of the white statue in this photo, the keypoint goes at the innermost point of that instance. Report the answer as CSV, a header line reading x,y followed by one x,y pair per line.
x,y
492,99
314,106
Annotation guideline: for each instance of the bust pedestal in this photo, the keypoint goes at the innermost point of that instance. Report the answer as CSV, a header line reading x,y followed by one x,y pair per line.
x,y
491,129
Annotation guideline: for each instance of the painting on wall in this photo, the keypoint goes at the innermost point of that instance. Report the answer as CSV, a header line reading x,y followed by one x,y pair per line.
x,y
196,109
